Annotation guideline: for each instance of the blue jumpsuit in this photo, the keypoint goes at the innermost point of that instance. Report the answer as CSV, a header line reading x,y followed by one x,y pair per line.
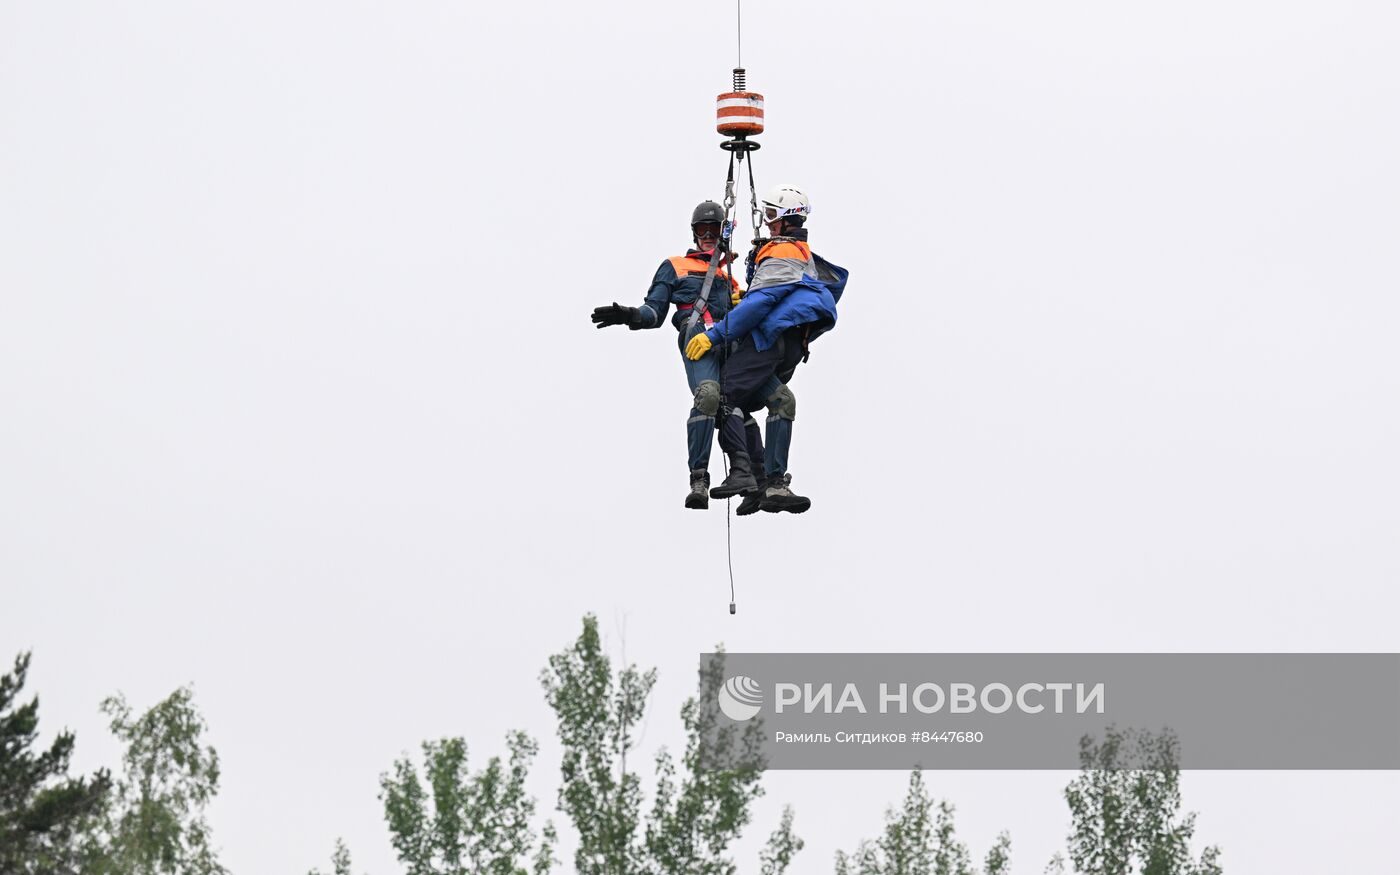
x,y
678,281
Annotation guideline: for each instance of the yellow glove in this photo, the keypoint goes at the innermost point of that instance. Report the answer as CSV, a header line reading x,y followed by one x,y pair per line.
x,y
698,346
734,298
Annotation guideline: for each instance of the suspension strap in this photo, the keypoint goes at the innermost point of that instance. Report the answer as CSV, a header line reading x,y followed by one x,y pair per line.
x,y
755,214
702,303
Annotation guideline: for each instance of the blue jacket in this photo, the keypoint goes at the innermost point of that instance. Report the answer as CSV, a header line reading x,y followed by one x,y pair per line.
x,y
791,286
678,281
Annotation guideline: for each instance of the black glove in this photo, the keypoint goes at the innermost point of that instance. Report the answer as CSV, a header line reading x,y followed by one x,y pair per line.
x,y
614,315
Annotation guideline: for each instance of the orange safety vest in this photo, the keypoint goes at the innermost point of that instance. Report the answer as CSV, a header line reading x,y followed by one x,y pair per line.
x,y
689,265
795,249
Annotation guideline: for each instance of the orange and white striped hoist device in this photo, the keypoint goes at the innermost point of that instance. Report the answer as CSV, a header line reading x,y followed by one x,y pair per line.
x,y
739,115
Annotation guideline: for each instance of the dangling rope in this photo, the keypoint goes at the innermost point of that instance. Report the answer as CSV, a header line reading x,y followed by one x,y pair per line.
x,y
726,235
729,542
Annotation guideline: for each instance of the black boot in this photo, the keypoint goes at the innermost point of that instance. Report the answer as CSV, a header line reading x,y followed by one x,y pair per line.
x,y
777,497
740,480
699,497
753,502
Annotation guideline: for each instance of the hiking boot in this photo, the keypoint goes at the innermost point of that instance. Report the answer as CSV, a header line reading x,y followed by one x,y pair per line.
x,y
753,502
699,497
740,480
777,497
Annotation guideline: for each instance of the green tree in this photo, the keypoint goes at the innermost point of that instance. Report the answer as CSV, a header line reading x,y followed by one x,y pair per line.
x,y
952,857
479,824
1126,808
698,808
596,712
154,824
43,812
782,846
693,822
920,839
998,860
340,860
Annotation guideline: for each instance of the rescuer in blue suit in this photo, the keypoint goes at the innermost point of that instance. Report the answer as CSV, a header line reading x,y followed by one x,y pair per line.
x,y
791,300
678,281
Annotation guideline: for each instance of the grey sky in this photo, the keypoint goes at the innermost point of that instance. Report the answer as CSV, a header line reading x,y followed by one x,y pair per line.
x,y
298,400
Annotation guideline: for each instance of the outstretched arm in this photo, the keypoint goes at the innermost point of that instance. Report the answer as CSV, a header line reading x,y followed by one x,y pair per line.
x,y
651,314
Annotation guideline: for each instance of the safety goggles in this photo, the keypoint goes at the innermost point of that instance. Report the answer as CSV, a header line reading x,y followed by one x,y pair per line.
x,y
706,229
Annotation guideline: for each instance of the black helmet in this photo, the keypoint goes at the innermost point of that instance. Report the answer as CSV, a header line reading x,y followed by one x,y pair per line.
x,y
709,211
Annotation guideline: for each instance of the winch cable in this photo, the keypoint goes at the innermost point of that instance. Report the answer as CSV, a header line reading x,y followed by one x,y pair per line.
x,y
740,115
739,26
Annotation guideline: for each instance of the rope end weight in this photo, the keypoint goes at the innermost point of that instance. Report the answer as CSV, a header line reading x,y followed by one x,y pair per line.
x,y
731,608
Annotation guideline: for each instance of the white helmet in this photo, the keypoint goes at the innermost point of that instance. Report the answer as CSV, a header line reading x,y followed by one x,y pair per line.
x,y
783,201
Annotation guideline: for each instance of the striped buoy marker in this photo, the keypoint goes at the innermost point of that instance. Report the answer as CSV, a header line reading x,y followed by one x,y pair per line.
x,y
739,112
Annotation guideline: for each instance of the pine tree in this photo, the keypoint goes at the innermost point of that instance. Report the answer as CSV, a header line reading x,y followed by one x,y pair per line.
x,y
43,812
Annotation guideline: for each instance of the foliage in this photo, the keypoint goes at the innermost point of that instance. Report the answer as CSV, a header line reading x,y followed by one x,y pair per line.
x,y
998,860
155,823
596,713
782,846
445,820
478,824
699,807
42,811
692,825
1126,809
919,839
340,860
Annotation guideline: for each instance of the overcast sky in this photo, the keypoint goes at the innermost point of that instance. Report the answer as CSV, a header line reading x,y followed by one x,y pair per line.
x,y
299,401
